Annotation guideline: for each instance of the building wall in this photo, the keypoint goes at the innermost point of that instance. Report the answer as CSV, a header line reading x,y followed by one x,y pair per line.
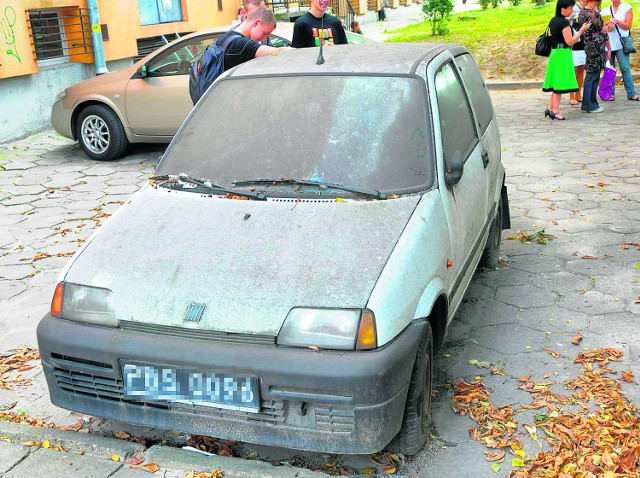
x,y
24,82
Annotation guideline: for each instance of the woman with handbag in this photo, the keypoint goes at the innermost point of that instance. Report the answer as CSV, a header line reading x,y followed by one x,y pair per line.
x,y
560,76
595,40
621,42
579,58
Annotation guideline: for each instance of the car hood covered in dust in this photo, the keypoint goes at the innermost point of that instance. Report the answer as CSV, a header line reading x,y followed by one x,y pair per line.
x,y
250,262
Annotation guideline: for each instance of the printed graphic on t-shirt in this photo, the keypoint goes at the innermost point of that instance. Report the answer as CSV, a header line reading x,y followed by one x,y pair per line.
x,y
322,35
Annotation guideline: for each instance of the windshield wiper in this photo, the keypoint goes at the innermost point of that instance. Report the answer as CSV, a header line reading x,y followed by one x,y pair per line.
x,y
175,180
321,184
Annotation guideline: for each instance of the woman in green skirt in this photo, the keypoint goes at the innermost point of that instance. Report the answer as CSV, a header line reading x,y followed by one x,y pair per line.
x,y
560,76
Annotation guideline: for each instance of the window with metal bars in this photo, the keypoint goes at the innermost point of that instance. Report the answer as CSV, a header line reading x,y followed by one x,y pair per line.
x,y
58,34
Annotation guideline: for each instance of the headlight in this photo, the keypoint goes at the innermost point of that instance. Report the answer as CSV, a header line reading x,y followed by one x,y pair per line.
x,y
83,304
343,329
59,96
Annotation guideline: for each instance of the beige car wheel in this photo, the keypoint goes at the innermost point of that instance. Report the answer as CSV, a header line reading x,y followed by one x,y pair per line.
x,y
100,133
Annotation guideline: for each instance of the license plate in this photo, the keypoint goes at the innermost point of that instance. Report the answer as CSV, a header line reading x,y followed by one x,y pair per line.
x,y
167,384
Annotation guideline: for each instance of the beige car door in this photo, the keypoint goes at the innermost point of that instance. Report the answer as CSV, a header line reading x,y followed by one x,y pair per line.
x,y
158,103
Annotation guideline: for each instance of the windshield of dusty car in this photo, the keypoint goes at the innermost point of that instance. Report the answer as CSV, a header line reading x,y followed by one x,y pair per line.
x,y
359,131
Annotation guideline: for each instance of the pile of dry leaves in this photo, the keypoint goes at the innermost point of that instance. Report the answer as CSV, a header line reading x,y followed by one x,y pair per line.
x,y
601,439
15,361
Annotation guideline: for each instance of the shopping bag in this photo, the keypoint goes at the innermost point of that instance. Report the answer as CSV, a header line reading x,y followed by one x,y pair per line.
x,y
605,90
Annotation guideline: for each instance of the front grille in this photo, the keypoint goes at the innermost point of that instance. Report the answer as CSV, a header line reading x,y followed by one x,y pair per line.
x,y
89,385
97,385
201,334
334,419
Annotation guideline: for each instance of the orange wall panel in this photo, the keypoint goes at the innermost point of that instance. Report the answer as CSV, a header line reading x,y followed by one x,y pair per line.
x,y
121,16
16,47
123,20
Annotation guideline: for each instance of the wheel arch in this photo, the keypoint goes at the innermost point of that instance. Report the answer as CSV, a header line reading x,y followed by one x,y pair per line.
x,y
434,307
98,101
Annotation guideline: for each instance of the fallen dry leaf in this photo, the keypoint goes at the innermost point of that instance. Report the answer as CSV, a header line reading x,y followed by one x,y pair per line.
x,y
577,338
497,457
627,376
554,354
149,467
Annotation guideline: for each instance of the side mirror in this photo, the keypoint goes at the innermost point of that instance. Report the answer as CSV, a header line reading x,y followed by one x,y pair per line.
x,y
142,71
454,174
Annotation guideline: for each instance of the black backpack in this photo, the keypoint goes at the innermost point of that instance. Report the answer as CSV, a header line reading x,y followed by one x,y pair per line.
x,y
210,66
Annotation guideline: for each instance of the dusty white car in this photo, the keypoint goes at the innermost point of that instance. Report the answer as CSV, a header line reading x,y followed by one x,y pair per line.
x,y
290,268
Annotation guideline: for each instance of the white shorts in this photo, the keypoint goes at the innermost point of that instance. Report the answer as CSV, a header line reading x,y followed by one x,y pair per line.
x,y
579,57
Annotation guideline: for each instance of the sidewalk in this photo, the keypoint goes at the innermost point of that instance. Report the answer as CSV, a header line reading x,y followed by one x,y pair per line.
x,y
84,455
577,179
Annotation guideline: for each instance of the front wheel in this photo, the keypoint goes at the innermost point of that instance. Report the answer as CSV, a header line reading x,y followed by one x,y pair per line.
x,y
417,413
491,254
100,133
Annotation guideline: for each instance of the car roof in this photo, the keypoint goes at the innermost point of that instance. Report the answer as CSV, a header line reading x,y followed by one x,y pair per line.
x,y
386,58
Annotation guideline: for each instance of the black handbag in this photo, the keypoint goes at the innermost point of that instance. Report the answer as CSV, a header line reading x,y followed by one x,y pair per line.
x,y
544,44
627,43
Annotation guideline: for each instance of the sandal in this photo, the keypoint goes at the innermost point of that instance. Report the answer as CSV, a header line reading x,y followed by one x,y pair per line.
x,y
574,102
635,98
613,98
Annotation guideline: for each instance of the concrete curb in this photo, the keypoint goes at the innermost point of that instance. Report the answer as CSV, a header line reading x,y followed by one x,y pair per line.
x,y
516,85
92,445
176,458
98,450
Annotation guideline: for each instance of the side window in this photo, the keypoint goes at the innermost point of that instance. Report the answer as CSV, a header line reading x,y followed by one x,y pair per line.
x,y
277,41
178,59
456,119
477,90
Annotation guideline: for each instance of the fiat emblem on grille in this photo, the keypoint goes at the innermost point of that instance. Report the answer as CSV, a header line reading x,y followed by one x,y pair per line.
x,y
194,312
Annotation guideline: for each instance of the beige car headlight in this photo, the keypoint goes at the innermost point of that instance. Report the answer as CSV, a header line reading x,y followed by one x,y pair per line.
x,y
342,329
83,303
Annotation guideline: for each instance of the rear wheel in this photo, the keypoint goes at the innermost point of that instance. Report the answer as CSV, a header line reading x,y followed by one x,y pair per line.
x,y
491,254
100,133
417,413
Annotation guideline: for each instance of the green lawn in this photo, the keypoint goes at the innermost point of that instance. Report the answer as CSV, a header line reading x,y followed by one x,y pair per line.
x,y
501,39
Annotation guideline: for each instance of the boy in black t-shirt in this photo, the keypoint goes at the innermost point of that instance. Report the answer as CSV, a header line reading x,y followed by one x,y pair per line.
x,y
316,26
255,29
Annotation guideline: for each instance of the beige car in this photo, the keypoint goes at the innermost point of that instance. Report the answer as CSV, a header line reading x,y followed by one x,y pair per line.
x,y
144,103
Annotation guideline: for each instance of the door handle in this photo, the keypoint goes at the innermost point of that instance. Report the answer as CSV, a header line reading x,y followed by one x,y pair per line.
x,y
485,159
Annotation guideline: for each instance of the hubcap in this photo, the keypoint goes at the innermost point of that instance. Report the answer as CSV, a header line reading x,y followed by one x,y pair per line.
x,y
95,134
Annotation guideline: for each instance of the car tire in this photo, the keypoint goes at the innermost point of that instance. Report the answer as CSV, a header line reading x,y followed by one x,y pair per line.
x,y
491,254
100,133
416,422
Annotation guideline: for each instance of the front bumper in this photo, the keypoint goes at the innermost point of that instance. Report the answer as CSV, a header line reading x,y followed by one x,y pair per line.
x,y
61,119
326,401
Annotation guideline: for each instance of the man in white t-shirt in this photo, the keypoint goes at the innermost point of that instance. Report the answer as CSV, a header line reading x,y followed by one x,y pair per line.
x,y
621,20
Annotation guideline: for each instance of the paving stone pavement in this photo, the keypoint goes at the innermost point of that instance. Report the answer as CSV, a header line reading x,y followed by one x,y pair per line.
x,y
579,180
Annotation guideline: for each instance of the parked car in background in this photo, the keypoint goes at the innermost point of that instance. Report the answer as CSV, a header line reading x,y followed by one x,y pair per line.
x,y
290,289
144,103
